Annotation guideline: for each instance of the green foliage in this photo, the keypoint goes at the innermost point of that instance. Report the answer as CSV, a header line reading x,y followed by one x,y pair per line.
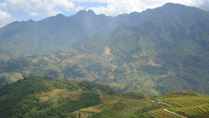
x,y
43,97
16,65
134,95
19,98
118,71
91,86
154,70
123,108
89,99
165,52
148,109
23,98
144,115
188,103
97,67
73,71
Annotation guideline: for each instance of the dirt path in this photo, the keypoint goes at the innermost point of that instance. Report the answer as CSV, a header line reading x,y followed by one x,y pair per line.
x,y
174,113
161,103
167,109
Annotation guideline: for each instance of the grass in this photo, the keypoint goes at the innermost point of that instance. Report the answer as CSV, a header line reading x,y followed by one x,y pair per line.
x,y
44,97
107,102
119,108
189,103
162,113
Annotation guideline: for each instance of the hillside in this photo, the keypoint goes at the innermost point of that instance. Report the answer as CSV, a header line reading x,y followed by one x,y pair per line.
x,y
167,53
43,97
189,103
30,38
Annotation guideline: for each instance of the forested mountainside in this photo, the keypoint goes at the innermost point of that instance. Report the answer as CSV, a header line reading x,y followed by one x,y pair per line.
x,y
39,97
29,38
167,52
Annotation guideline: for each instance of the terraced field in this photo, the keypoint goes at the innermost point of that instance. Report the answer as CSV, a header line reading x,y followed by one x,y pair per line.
x,y
164,113
45,97
189,104
115,108
175,105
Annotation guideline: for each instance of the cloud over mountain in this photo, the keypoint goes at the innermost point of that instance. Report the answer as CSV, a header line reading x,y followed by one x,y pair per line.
x,y
39,9
5,18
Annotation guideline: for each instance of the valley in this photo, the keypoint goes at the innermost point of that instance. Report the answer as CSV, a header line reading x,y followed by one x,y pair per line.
x,y
148,64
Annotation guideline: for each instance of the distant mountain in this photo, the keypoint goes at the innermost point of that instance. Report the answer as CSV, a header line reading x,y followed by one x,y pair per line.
x,y
166,52
29,38
38,97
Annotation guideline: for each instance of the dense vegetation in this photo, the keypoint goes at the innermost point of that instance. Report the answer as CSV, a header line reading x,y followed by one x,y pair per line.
x,y
167,54
29,38
155,52
133,95
189,104
43,97
38,97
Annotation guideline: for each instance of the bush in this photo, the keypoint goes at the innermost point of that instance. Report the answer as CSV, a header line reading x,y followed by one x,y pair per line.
x,y
134,95
89,99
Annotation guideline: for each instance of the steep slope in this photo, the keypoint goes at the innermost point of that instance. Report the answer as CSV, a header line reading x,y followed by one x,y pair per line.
x,y
43,97
37,97
189,104
28,38
168,52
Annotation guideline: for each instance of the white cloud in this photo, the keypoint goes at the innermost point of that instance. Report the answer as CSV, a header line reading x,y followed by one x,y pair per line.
x,y
3,5
45,8
33,13
41,7
78,8
5,18
115,7
205,5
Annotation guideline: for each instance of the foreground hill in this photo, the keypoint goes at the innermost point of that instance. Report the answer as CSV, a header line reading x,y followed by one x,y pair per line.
x,y
164,54
43,97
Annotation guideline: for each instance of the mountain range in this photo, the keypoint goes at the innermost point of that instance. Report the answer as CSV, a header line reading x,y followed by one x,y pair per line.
x,y
29,38
154,52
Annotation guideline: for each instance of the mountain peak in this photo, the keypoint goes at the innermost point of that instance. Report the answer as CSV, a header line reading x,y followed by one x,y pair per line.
x,y
60,15
31,20
173,5
84,12
170,4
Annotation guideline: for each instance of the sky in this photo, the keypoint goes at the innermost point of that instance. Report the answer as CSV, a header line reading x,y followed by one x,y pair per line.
x,y
23,10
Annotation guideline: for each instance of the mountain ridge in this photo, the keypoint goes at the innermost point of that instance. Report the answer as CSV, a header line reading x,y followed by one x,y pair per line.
x,y
170,47
28,38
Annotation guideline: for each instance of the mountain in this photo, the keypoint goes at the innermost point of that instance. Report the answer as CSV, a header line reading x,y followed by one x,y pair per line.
x,y
29,38
37,97
167,52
